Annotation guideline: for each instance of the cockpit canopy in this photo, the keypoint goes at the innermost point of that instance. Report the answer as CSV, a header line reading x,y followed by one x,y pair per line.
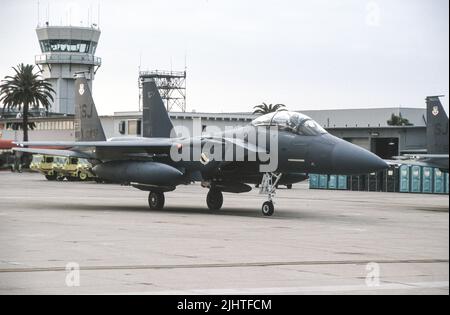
x,y
292,122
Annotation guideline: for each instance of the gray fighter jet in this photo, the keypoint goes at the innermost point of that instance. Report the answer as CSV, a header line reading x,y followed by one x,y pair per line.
x,y
437,139
276,147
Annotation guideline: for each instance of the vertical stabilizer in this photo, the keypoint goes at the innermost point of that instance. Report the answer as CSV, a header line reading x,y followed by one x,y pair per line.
x,y
437,126
87,123
155,119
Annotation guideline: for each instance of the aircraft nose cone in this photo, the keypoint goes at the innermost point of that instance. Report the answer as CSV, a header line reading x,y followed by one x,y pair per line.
x,y
351,159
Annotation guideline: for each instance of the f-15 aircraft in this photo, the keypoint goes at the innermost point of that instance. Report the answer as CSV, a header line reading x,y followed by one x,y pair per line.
x,y
274,147
437,138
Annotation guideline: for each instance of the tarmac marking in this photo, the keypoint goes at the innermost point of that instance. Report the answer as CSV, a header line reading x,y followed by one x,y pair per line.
x,y
305,290
227,265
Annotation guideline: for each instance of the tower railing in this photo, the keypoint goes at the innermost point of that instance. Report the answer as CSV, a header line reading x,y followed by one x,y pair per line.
x,y
68,58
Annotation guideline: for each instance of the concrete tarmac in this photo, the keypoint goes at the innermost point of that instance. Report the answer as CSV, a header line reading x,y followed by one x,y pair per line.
x,y
318,242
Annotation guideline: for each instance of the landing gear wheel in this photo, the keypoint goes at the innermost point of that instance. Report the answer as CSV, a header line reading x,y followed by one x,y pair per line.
x,y
289,186
268,209
214,199
156,200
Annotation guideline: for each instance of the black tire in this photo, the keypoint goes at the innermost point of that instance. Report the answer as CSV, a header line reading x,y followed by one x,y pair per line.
x,y
289,186
83,176
50,177
268,209
156,200
214,199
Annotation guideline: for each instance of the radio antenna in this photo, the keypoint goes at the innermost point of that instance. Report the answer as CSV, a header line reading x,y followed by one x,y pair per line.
x,y
38,13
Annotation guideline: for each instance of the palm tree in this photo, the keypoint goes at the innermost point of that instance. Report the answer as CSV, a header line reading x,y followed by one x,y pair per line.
x,y
265,109
398,121
24,91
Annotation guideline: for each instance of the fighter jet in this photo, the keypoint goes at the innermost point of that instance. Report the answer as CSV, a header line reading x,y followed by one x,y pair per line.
x,y
437,138
272,148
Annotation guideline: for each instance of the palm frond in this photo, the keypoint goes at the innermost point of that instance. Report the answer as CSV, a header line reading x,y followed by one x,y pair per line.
x,y
24,90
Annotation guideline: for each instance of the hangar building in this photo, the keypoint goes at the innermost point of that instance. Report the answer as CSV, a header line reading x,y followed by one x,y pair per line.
x,y
367,128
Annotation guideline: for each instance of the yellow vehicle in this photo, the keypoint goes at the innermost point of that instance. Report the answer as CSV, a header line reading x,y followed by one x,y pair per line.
x,y
44,165
73,169
58,168
36,162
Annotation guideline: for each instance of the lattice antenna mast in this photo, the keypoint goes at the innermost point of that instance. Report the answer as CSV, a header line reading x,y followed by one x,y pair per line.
x,y
171,86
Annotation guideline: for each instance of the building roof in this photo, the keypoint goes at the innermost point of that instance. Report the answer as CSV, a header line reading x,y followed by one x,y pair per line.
x,y
366,117
332,118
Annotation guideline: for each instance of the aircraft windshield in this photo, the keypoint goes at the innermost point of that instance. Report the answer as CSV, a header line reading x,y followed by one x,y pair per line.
x,y
290,121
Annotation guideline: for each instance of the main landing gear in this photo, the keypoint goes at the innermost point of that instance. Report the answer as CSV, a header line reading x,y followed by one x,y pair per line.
x,y
268,187
156,200
214,199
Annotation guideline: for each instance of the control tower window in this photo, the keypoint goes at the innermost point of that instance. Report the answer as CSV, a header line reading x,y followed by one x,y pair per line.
x,y
62,45
94,47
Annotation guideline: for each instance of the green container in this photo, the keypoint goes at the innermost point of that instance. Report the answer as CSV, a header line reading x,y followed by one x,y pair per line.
x,y
439,181
427,180
416,179
313,181
446,183
342,182
323,181
332,182
405,174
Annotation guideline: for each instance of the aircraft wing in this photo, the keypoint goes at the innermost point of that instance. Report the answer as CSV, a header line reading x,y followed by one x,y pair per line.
x,y
434,160
431,160
101,150
426,156
113,150
150,142
67,153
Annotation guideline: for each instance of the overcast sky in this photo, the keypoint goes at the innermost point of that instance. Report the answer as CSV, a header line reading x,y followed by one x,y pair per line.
x,y
315,54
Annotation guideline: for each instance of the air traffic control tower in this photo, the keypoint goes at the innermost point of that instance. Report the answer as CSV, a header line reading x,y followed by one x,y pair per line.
x,y
65,51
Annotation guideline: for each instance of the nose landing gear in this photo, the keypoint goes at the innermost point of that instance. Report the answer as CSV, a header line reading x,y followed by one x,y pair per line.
x,y
268,209
268,187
